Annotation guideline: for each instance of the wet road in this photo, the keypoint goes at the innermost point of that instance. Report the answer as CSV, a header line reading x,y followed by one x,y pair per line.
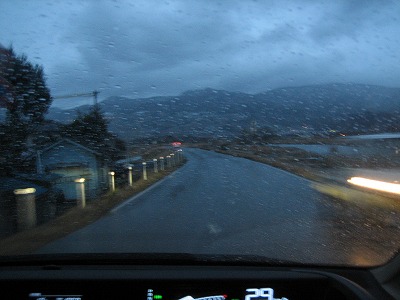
x,y
218,204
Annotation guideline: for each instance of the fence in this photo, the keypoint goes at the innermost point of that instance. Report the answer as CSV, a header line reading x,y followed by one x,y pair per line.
x,y
23,209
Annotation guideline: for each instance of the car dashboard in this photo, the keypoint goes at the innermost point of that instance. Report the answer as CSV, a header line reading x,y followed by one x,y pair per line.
x,y
166,281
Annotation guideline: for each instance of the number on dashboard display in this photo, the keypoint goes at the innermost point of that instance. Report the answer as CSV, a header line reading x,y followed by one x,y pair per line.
x,y
263,293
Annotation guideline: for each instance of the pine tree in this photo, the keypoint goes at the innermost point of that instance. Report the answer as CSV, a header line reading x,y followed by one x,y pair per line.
x,y
91,130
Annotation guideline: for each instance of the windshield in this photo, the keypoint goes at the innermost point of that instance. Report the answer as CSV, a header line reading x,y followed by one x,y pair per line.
x,y
263,130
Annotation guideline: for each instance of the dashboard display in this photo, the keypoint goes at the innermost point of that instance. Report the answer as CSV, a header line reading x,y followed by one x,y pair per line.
x,y
289,289
40,296
250,294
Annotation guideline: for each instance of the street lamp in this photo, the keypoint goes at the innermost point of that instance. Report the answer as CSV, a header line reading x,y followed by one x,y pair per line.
x,y
130,176
80,191
25,207
144,171
112,180
168,161
155,165
162,163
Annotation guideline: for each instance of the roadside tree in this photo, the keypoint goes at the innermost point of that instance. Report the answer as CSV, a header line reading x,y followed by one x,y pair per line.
x,y
26,99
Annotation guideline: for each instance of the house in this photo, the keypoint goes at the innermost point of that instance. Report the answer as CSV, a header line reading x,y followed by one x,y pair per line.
x,y
71,161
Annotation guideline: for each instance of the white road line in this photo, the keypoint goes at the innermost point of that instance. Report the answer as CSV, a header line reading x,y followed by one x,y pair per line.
x,y
143,192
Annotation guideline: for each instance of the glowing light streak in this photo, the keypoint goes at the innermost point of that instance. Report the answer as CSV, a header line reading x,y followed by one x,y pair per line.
x,y
383,186
24,191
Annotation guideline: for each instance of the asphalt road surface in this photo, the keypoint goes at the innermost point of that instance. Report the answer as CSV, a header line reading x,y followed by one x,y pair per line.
x,y
218,204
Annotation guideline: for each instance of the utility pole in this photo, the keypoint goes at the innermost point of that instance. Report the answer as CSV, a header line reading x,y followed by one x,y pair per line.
x,y
95,93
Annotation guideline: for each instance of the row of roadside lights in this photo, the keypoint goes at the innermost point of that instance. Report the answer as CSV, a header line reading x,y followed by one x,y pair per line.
x,y
26,197
171,161
161,163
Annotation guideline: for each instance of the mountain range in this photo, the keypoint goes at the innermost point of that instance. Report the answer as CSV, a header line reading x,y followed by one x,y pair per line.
x,y
355,108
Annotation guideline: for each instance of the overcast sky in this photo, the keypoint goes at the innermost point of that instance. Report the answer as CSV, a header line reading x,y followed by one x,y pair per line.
x,y
146,48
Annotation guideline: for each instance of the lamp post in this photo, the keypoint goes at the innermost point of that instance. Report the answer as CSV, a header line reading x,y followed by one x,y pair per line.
x,y
112,181
162,168
144,171
130,177
155,164
168,161
80,192
26,208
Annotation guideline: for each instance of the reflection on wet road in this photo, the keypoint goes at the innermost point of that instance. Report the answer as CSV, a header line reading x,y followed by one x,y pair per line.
x,y
217,204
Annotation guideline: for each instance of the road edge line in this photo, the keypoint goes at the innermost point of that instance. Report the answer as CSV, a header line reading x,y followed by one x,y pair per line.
x,y
129,200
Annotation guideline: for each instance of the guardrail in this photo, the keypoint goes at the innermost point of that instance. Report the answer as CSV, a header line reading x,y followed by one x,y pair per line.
x,y
28,210
129,170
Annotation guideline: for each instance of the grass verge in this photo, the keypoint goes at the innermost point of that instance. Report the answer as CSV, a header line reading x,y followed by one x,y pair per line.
x,y
285,162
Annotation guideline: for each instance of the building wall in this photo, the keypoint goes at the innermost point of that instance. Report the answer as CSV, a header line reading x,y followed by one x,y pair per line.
x,y
72,162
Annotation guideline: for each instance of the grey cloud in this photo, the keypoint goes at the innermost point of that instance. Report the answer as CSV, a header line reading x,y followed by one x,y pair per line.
x,y
354,19
161,43
145,48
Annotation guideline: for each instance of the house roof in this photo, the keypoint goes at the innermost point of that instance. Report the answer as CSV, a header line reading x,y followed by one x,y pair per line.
x,y
68,141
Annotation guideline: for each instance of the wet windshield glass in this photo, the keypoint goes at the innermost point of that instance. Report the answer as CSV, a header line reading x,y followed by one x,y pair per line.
x,y
268,129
